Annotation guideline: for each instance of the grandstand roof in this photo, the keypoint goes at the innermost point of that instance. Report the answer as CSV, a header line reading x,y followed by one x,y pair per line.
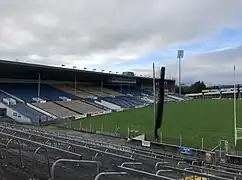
x,y
21,70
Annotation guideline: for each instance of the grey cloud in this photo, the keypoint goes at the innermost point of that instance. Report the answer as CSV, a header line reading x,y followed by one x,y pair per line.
x,y
212,68
107,29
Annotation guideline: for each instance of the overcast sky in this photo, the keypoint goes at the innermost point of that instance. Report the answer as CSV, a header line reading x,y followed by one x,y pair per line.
x,y
121,35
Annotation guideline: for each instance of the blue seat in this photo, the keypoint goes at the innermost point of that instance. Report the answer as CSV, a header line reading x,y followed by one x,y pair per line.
x,y
25,110
118,101
29,91
131,90
31,113
50,93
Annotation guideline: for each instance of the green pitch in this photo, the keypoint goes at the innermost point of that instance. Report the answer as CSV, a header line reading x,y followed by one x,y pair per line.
x,y
210,120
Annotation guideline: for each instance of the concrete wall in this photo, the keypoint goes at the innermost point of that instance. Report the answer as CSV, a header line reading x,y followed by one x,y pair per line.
x,y
15,115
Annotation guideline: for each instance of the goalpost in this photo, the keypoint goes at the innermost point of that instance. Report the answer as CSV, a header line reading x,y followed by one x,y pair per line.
x,y
237,130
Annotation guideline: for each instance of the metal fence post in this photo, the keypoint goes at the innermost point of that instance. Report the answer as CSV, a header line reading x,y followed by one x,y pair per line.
x,y
161,137
102,128
202,143
180,140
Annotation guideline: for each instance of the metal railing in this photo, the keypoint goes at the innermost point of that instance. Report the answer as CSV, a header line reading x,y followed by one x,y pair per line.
x,y
72,145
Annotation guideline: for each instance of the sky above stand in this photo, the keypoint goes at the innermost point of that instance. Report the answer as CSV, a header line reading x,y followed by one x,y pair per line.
x,y
127,35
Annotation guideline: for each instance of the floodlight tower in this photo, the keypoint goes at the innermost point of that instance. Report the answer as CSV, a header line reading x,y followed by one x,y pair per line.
x,y
180,55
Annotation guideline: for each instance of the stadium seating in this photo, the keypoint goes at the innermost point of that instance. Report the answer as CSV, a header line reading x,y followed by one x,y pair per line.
x,y
124,101
23,91
52,93
27,111
3,95
132,90
87,91
31,113
71,90
176,97
133,100
111,92
29,91
80,106
117,102
94,90
56,110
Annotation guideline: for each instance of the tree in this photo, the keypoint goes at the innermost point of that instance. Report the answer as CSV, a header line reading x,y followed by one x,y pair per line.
x,y
197,87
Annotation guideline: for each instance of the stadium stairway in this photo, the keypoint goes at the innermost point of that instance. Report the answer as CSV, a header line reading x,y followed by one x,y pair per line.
x,y
84,96
57,110
59,104
132,91
92,91
90,97
82,107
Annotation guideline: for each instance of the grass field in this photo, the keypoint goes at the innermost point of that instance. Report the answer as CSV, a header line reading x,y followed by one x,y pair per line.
x,y
211,120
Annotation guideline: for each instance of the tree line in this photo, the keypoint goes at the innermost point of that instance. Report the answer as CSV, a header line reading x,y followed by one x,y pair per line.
x,y
196,87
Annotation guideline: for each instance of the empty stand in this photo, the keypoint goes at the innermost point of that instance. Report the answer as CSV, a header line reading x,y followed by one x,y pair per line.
x,y
80,106
57,110
71,90
52,93
132,100
4,95
111,92
25,110
131,90
118,101
29,91
21,90
125,101
30,113
94,90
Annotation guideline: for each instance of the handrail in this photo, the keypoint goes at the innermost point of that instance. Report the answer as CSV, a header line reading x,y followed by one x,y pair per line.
x,y
46,156
130,163
196,173
20,152
145,173
76,145
163,170
158,163
73,161
39,144
109,173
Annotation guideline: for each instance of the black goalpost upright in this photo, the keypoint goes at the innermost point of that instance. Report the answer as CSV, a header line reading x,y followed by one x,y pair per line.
x,y
160,105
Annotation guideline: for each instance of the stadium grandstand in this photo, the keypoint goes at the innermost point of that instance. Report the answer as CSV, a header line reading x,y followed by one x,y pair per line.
x,y
35,94
218,93
32,93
